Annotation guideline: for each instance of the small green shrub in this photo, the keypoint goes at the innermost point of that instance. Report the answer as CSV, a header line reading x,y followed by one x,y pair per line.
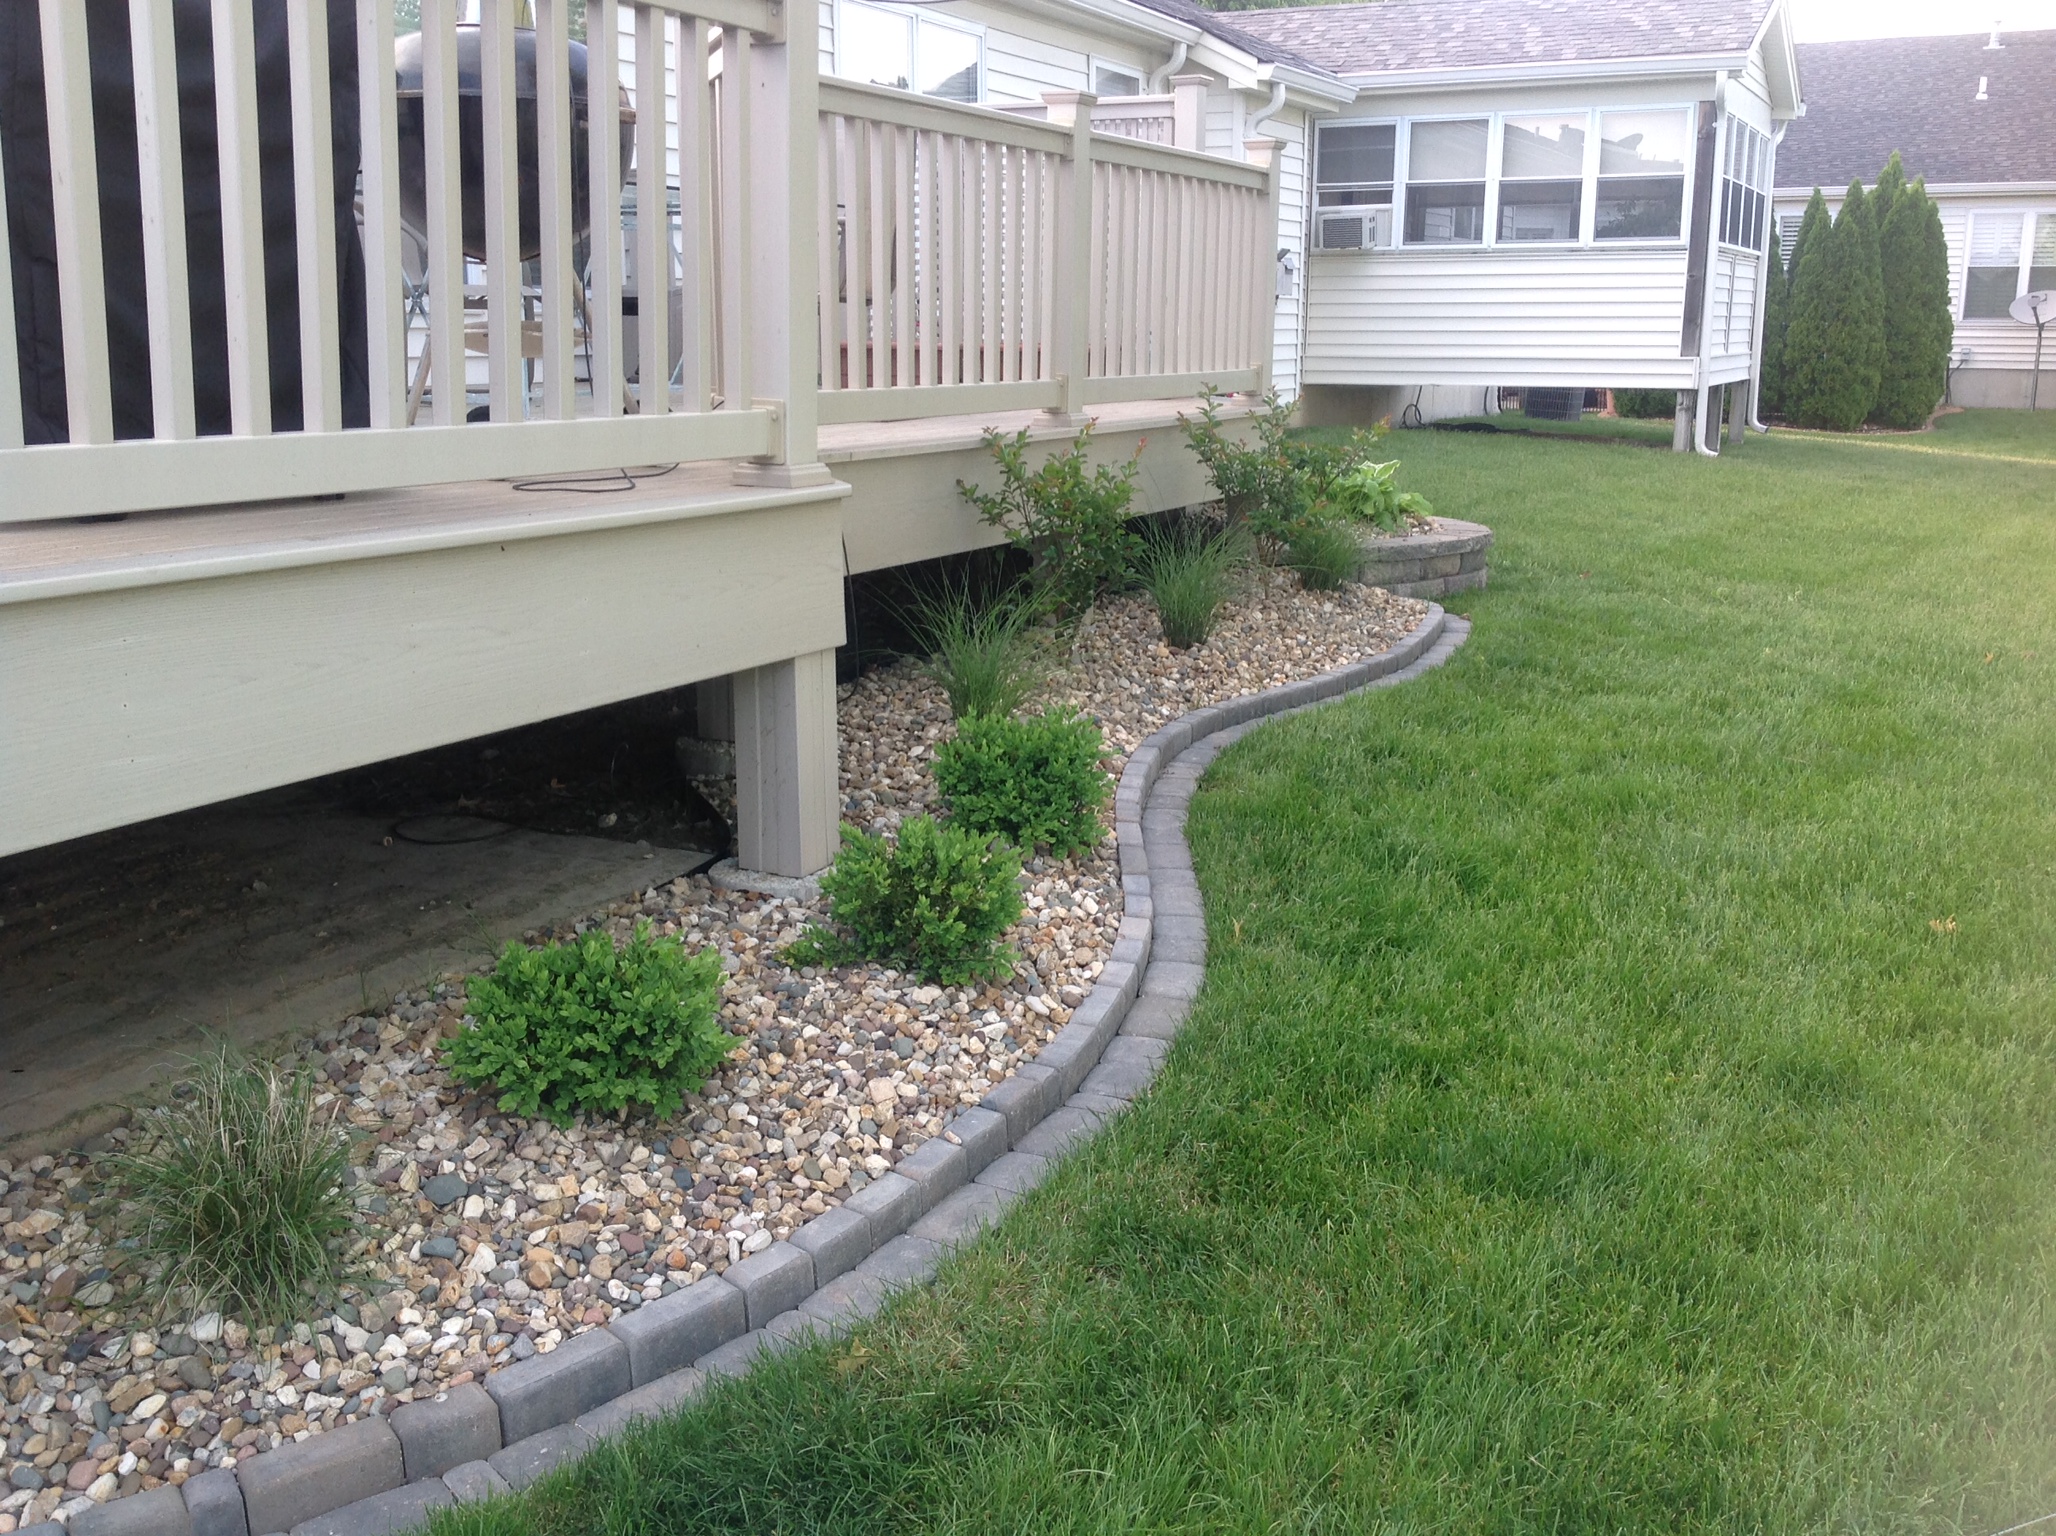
x,y
1273,485
1030,781
1189,578
983,656
1325,555
1645,404
934,902
1370,493
238,1191
586,1027
1069,516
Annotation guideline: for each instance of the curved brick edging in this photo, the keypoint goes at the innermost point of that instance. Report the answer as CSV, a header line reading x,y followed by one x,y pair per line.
x,y
1452,556
384,1474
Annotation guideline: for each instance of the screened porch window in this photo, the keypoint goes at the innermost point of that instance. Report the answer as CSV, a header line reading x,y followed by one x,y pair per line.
x,y
907,52
1445,182
1112,80
1353,164
1745,186
1993,278
1542,177
1641,176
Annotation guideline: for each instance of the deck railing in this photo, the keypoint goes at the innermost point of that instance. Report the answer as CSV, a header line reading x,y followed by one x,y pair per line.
x,y
528,306
976,259
544,323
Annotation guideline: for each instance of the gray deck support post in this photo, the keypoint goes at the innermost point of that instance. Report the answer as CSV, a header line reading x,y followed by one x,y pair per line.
x,y
785,765
1072,326
1681,424
1738,410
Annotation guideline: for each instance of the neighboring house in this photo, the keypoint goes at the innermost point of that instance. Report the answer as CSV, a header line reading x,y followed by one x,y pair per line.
x,y
1975,116
1539,194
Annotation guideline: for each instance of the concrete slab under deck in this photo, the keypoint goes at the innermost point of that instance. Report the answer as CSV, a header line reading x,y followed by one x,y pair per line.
x,y
270,916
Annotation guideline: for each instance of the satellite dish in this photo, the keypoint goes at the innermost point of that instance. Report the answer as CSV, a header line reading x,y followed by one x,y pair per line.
x,y
2036,309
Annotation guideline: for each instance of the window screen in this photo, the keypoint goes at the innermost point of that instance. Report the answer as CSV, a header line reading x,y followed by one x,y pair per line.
x,y
1542,177
1109,81
1744,188
1353,163
1641,176
1445,183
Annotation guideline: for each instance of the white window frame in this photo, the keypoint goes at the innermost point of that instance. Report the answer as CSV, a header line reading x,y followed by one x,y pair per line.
x,y
917,17
1094,64
2033,217
1402,148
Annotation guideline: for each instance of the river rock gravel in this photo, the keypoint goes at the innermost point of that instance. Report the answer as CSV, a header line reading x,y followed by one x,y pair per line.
x,y
489,1238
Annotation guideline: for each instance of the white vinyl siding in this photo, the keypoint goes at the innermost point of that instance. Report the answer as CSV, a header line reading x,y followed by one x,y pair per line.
x,y
1497,316
1020,69
1731,315
1293,187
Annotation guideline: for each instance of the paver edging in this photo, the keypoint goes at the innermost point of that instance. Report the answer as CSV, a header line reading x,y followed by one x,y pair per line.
x,y
1083,1080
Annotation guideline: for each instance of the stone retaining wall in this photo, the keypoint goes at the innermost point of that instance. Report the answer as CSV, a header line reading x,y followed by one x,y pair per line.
x,y
384,1475
1452,556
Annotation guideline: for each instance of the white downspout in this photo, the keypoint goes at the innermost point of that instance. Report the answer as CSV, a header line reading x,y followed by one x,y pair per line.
x,y
1267,111
1703,390
1159,78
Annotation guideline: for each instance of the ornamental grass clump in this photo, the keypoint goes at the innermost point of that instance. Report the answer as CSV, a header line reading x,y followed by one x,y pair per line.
x,y
237,1192
984,657
1324,555
1033,781
934,902
585,1027
1190,577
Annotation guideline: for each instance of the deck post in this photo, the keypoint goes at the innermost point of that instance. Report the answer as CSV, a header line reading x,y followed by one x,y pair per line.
x,y
1681,424
1188,111
1738,411
1073,327
781,261
785,765
1266,154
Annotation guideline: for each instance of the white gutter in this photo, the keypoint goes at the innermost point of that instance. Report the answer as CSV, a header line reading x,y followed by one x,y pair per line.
x,y
1159,78
1544,74
1941,189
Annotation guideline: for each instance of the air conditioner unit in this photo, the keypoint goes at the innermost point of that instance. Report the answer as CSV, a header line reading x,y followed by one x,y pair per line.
x,y
1357,229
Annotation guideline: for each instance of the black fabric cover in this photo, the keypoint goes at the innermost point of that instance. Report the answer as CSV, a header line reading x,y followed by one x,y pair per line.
x,y
25,147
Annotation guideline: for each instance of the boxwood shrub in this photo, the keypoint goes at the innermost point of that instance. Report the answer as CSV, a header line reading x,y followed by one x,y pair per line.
x,y
1030,781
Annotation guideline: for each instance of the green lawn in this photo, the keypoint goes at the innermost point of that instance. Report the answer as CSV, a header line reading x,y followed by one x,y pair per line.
x,y
1624,1095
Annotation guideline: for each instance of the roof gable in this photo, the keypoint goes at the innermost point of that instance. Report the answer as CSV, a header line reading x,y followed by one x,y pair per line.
x,y
1403,35
1918,95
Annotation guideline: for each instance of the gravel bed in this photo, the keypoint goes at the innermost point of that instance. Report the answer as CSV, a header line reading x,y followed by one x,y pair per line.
x,y
491,1238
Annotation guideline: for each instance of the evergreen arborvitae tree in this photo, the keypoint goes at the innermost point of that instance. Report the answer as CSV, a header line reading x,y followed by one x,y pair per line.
x,y
1866,321
1918,330
1808,316
1770,395
1834,342
1891,183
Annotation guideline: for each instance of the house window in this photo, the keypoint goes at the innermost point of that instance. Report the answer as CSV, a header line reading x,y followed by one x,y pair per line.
x,y
1445,182
2041,271
1542,177
1745,186
1353,164
920,53
1641,176
1993,278
1112,80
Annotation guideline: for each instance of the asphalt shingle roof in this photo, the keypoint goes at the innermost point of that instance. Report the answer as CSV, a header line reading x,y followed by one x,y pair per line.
x,y
1918,95
1269,50
1473,34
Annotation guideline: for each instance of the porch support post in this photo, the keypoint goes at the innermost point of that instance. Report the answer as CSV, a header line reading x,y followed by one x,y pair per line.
x,y
1681,424
1073,318
1738,411
783,138
785,765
